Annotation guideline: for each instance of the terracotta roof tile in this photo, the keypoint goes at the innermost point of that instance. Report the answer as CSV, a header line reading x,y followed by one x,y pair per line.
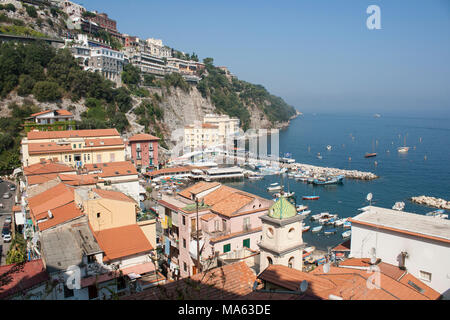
x,y
143,137
122,242
54,197
113,195
47,147
231,204
198,188
79,180
103,142
61,214
46,168
59,112
20,277
430,293
208,216
38,179
112,169
232,281
90,133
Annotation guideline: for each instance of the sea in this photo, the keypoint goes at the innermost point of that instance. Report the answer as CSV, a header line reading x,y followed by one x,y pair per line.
x,y
424,170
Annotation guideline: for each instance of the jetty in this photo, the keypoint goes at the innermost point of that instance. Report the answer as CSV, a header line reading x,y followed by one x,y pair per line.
x,y
319,171
432,202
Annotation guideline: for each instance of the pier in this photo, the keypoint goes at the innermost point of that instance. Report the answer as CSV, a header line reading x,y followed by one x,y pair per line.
x,y
432,202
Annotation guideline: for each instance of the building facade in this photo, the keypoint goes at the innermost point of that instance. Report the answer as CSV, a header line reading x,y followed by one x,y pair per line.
x,y
198,137
144,151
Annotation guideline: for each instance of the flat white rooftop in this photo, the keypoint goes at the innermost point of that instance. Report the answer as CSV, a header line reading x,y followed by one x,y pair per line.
x,y
405,221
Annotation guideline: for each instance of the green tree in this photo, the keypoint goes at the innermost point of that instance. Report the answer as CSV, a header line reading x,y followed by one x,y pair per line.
x,y
17,251
47,91
131,74
26,84
31,10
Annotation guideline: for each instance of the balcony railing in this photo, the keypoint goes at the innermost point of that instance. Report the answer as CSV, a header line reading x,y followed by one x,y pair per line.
x,y
194,234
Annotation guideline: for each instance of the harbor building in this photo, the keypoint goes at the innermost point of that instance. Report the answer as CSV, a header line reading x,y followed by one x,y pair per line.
x,y
416,243
282,241
228,127
73,147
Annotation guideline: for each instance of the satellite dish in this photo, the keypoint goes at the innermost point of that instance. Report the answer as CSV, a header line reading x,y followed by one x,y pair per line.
x,y
369,196
303,286
326,267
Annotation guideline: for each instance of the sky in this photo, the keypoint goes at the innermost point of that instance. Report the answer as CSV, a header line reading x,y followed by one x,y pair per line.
x,y
318,55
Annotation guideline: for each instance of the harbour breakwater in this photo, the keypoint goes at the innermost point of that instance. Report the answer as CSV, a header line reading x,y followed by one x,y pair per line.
x,y
322,171
432,202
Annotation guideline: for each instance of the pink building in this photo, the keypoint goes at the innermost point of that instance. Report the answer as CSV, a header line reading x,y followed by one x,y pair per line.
x,y
228,222
144,151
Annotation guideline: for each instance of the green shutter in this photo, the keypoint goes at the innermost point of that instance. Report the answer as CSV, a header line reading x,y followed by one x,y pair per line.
x,y
226,248
246,243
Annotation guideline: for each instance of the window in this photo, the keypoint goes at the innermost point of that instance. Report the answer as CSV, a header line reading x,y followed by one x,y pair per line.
x,y
98,214
246,225
226,248
425,276
79,145
184,220
121,283
291,262
246,243
184,243
269,260
77,157
66,158
70,158
184,266
68,292
99,158
269,232
74,146
291,233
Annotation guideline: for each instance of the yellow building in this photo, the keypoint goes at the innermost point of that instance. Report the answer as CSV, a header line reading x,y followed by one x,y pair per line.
x,y
73,147
227,126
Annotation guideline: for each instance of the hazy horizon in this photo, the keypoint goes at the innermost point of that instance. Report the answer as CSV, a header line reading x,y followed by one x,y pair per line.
x,y
318,56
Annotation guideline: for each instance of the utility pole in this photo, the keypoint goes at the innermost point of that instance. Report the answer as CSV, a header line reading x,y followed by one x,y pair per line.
x,y
198,246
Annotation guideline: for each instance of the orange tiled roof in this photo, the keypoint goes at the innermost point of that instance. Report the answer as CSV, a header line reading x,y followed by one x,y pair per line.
x,y
169,170
52,198
386,268
103,142
47,147
427,291
231,281
122,242
90,133
113,195
42,178
79,180
16,209
143,137
59,112
231,204
112,169
198,188
46,167
20,277
208,216
61,214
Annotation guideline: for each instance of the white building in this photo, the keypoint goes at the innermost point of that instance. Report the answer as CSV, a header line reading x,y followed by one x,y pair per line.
x,y
201,136
418,243
228,127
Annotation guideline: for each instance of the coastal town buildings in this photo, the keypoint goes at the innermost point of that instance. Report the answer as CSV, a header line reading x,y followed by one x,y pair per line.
x,y
73,147
108,62
144,151
416,243
227,222
198,136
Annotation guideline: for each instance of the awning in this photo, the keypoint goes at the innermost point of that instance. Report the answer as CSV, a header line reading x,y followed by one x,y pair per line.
x,y
19,220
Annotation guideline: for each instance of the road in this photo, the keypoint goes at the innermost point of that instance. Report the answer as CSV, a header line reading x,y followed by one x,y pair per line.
x,y
4,213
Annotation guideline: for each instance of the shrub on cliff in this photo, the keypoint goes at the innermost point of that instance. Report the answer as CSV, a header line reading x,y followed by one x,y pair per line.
x,y
47,91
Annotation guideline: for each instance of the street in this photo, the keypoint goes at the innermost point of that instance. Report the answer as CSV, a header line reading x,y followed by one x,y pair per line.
x,y
4,213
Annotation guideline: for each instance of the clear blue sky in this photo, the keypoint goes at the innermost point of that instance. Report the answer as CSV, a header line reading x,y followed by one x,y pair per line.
x,y
317,55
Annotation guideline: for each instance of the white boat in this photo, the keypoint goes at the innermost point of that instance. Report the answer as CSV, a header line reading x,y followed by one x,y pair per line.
x,y
399,206
305,228
274,187
301,207
310,249
403,149
346,234
339,222
304,213
255,176
328,147
316,229
285,194
323,220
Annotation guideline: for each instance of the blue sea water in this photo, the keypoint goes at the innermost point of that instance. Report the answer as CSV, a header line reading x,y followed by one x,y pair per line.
x,y
424,170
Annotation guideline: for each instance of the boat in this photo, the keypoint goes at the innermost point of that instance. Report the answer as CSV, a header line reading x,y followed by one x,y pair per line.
x,y
438,214
310,249
331,221
339,223
323,220
403,149
328,147
310,197
301,207
319,156
346,234
369,155
316,229
306,254
256,176
310,259
304,213
329,180
305,228
284,194
274,187
399,206
347,224
330,231
377,115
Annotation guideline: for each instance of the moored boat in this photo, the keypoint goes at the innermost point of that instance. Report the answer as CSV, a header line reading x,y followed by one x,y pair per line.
x,y
305,228
347,224
316,229
346,234
310,197
274,187
328,180
329,231
369,155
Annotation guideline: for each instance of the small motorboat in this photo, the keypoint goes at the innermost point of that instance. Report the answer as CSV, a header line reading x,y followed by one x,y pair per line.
x,y
403,149
339,223
329,231
328,147
305,228
285,194
323,220
347,224
304,213
321,261
329,180
301,207
310,197
274,187
256,176
370,155
316,229
309,259
399,206
346,234
306,254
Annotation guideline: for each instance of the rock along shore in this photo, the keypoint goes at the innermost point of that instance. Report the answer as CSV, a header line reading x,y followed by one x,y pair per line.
x,y
432,202
349,174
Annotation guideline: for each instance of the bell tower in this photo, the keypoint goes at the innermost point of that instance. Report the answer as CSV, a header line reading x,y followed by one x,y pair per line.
x,y
282,241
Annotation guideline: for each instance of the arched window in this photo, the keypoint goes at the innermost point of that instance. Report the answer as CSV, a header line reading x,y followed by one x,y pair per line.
x,y
270,232
291,262
291,233
269,260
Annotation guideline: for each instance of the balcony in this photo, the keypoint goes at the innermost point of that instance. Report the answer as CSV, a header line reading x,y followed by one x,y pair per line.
x,y
194,234
218,233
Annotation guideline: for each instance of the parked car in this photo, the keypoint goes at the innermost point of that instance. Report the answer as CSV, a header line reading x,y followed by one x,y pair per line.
x,y
8,219
6,237
6,230
7,195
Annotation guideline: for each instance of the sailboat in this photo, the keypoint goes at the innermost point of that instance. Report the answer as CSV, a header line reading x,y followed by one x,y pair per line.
x,y
403,149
